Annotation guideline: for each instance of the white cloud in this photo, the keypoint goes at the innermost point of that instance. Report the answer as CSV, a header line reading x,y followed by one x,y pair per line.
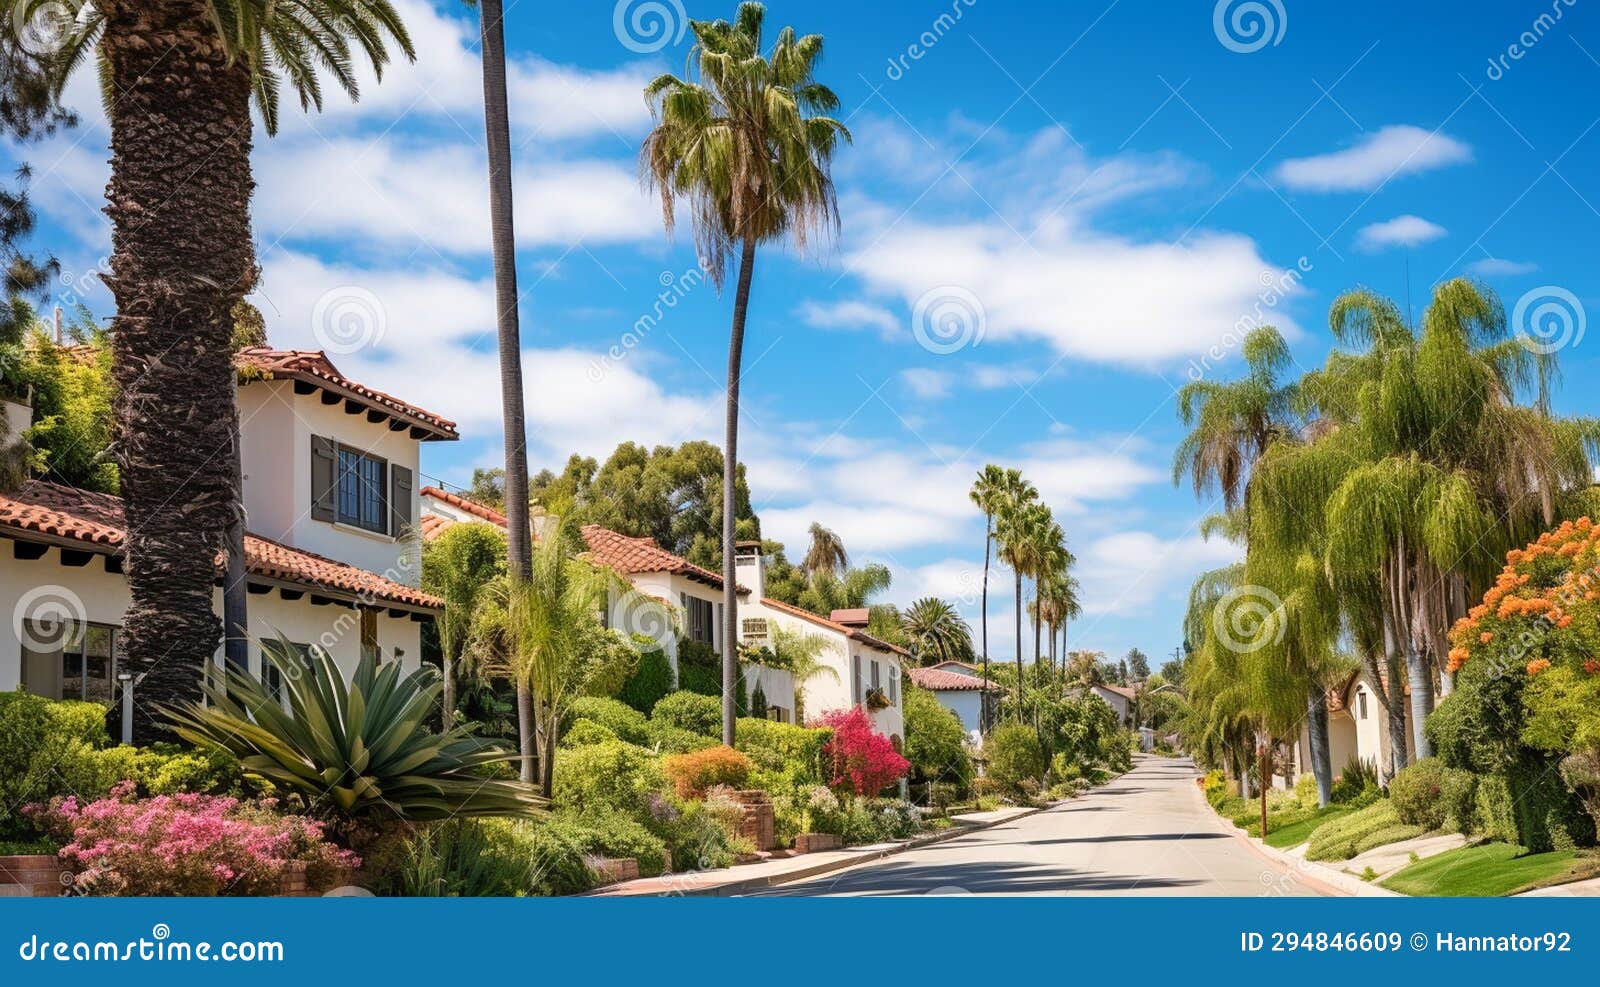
x,y
1378,157
1497,267
1124,573
1401,231
854,315
1089,294
925,383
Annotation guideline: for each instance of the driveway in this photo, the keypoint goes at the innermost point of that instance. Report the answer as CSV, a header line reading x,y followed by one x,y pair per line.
x,y
1148,832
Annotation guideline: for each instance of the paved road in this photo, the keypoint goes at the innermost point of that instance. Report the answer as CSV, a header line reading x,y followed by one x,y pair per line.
x,y
1147,833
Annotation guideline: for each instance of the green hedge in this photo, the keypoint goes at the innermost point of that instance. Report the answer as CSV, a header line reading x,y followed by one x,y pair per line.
x,y
651,680
1376,825
616,716
690,711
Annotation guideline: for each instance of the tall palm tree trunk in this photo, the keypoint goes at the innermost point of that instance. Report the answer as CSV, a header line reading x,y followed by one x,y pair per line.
x,y
519,536
730,472
182,255
1321,755
983,618
1419,673
1018,573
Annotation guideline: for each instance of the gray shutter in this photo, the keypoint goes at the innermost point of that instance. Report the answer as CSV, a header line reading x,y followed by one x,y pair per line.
x,y
324,478
399,499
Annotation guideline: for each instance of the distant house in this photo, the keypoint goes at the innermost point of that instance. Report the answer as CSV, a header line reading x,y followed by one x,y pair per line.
x,y
331,555
1357,728
673,596
1121,699
962,689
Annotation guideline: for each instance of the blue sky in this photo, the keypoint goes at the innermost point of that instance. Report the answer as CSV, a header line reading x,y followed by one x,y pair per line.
x,y
1054,214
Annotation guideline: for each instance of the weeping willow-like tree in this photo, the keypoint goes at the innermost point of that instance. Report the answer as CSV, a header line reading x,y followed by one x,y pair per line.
x,y
1217,720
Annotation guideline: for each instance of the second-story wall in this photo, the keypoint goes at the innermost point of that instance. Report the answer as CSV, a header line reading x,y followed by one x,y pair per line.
x,y
277,428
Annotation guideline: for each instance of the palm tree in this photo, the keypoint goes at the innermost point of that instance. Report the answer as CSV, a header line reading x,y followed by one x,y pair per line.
x,y
544,632
504,240
801,653
1057,604
180,77
1016,525
748,145
826,553
987,492
936,631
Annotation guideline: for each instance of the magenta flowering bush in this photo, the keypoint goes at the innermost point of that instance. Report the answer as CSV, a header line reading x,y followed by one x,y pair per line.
x,y
187,845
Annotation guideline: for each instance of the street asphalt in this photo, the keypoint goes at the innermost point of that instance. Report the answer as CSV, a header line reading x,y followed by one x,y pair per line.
x,y
1149,832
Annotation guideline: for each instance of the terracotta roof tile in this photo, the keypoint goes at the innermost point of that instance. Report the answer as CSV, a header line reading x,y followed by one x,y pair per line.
x,y
461,503
313,367
96,519
942,680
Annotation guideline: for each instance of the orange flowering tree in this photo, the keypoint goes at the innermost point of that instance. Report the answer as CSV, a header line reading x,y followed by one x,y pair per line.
x,y
1542,611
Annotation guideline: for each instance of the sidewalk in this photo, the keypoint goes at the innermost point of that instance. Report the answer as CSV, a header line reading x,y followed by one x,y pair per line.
x,y
745,878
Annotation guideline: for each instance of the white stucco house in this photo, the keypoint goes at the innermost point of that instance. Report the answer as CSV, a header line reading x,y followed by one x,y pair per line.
x,y
1357,727
1121,699
672,596
962,689
332,550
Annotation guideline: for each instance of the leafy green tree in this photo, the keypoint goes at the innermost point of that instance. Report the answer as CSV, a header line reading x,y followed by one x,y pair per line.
x,y
936,743
183,74
826,553
1138,664
747,144
459,566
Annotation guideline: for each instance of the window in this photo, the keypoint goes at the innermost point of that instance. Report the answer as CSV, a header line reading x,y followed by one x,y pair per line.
x,y
876,684
894,685
88,662
777,714
1361,703
361,491
272,678
701,619
855,678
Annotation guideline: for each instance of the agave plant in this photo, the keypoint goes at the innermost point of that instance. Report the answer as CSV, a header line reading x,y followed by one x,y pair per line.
x,y
360,753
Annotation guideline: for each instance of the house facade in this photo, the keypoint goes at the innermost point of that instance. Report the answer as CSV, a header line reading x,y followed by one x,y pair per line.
x,y
671,597
962,689
1357,728
332,552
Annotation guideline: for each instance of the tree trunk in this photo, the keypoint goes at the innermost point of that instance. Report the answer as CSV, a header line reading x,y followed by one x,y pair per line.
x,y
1018,573
983,615
730,473
1397,718
447,697
1420,674
519,536
1244,776
1321,754
181,257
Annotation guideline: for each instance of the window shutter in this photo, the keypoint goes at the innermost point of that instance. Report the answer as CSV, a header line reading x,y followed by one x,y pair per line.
x,y
399,499
324,478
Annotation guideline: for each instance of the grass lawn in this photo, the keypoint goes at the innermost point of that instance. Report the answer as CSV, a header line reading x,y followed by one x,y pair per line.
x,y
1491,870
1294,834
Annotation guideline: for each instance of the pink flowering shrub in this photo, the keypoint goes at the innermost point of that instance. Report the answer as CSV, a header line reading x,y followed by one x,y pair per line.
x,y
857,756
186,845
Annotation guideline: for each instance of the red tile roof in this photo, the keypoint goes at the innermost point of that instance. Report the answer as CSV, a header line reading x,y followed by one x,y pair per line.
x,y
942,680
96,519
313,367
833,625
624,553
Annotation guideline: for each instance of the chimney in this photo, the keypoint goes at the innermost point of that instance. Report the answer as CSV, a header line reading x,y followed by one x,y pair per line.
x,y
750,567
856,617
